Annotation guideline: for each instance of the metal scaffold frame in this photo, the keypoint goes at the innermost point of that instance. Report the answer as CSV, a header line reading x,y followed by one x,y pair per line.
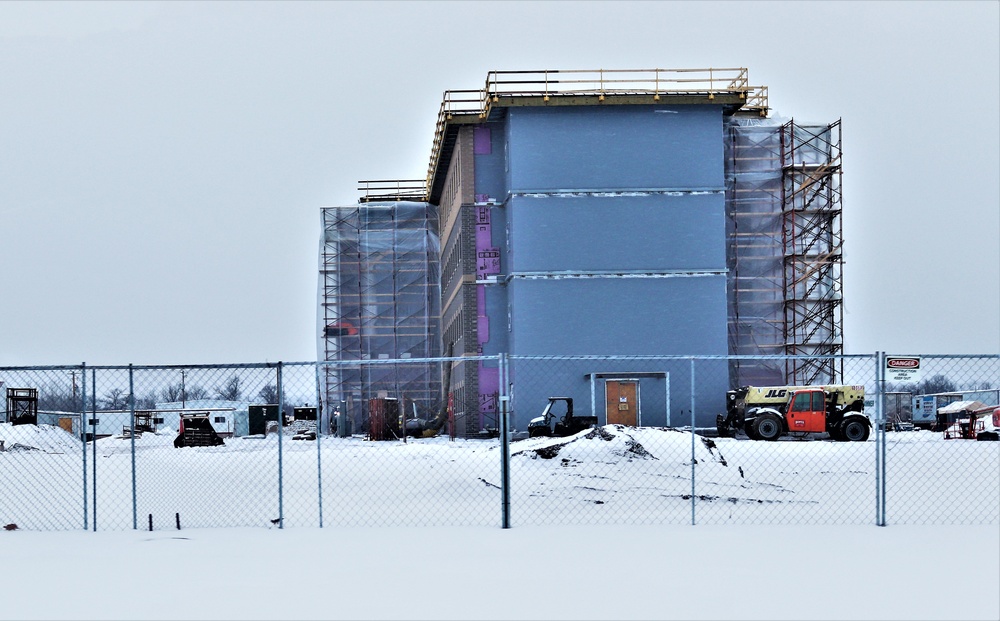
x,y
813,249
785,245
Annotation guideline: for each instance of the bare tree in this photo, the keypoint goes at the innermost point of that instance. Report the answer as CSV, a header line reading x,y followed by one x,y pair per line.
x,y
937,383
268,394
115,399
173,392
59,399
231,390
195,392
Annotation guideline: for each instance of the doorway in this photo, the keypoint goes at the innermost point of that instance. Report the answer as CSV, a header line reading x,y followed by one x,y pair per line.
x,y
622,400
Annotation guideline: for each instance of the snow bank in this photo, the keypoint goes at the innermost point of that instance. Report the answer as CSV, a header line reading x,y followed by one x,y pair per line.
x,y
47,438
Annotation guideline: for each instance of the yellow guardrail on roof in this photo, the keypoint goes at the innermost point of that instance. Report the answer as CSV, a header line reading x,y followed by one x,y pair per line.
x,y
561,83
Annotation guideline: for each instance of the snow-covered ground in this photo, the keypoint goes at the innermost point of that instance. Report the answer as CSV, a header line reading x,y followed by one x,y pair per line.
x,y
532,572
601,528
611,475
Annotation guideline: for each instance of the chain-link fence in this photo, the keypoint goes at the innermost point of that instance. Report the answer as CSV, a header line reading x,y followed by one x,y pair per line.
x,y
408,445
501,441
940,473
43,459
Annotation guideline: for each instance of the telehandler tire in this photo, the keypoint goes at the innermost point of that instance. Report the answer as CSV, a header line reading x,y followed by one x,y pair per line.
x,y
854,429
767,427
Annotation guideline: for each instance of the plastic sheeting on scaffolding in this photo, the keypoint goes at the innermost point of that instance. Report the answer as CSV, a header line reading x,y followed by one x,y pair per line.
x,y
755,248
379,297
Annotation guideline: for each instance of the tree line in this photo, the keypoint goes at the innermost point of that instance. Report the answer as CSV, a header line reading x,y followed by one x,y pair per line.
x,y
59,398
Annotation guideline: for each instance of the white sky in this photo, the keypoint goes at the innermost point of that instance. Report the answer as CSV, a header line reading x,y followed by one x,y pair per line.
x,y
162,165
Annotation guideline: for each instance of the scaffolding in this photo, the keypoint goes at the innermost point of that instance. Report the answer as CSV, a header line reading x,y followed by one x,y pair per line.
x,y
22,406
784,250
379,300
813,250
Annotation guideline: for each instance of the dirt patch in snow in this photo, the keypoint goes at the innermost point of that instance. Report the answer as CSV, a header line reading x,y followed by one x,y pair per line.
x,y
613,443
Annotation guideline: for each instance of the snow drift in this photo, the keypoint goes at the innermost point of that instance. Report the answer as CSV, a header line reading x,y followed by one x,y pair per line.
x,y
46,438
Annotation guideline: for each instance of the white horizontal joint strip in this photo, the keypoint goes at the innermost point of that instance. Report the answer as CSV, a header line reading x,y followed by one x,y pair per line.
x,y
698,273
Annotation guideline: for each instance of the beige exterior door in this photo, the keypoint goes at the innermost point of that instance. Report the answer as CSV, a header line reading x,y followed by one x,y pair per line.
x,y
66,424
622,402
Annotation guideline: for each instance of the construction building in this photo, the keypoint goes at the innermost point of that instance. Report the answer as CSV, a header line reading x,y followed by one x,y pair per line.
x,y
614,213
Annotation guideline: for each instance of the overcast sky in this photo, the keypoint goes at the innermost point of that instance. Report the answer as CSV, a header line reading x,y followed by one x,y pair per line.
x,y
163,164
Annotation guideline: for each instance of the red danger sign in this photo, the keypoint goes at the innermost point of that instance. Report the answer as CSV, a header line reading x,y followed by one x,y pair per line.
x,y
902,368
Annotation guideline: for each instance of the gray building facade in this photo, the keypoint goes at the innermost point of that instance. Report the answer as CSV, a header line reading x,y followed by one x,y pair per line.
x,y
611,241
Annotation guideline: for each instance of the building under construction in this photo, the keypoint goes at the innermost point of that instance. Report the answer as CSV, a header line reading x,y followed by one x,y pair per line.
x,y
621,213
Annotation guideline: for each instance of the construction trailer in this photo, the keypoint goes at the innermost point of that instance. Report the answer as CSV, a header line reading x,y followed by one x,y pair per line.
x,y
226,418
898,410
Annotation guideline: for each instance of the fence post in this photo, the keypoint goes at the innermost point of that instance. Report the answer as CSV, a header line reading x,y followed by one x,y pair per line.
x,y
877,399
93,436
692,445
504,444
881,445
281,433
131,409
878,455
83,440
319,445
